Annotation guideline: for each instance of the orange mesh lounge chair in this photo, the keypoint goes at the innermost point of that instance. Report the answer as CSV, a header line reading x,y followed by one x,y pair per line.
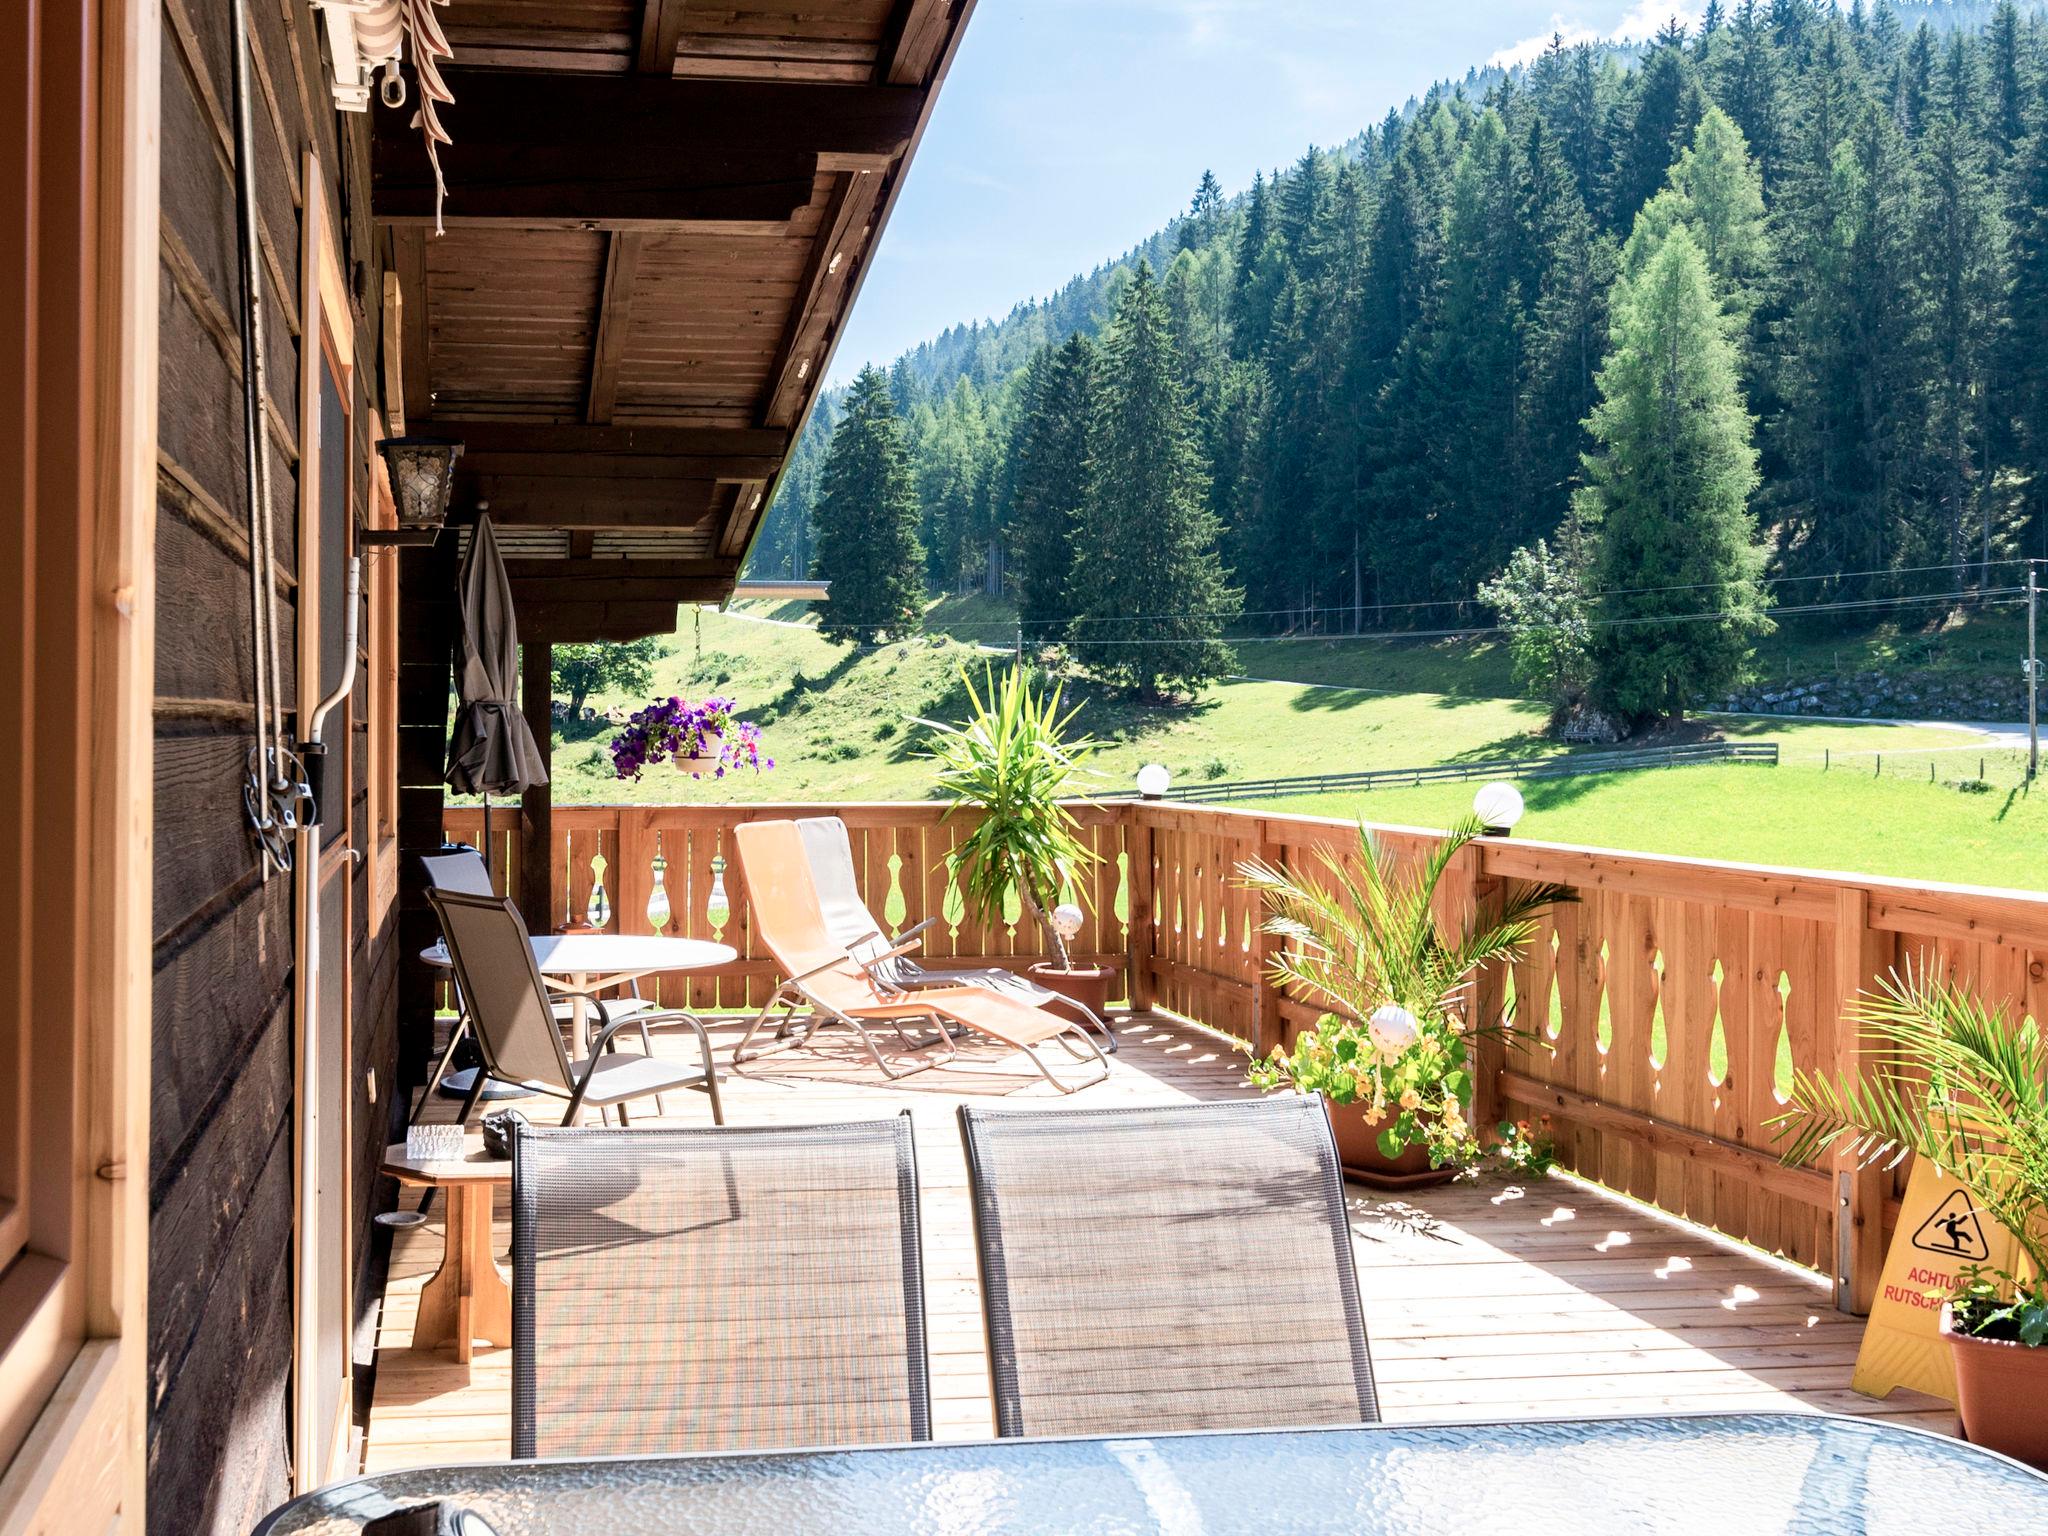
x,y
789,919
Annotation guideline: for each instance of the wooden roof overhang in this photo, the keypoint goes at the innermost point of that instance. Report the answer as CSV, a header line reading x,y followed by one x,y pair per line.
x,y
658,214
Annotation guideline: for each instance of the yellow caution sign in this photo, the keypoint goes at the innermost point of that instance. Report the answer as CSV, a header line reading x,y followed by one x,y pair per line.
x,y
1941,1230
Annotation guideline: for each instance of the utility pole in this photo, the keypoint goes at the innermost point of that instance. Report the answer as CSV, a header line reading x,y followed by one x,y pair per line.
x,y
2033,673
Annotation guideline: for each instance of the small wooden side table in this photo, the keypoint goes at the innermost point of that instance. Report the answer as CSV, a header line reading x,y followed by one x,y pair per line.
x,y
468,1297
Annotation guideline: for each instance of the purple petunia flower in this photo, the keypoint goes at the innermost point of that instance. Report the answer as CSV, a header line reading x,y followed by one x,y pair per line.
x,y
675,729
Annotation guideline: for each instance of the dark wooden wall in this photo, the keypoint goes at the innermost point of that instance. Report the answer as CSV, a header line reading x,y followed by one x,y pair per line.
x,y
221,1087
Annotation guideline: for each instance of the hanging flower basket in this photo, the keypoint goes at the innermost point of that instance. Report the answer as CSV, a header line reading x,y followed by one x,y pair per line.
x,y
697,739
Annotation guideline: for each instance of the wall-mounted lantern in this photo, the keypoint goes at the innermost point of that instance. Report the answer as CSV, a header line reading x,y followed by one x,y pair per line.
x,y
422,479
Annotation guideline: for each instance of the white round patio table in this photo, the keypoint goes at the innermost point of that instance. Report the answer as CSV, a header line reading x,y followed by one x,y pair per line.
x,y
578,966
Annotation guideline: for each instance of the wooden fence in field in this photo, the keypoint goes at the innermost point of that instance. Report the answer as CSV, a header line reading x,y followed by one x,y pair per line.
x,y
1670,1001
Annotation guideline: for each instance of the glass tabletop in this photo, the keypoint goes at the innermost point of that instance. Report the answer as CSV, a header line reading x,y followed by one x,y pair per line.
x,y
1799,1474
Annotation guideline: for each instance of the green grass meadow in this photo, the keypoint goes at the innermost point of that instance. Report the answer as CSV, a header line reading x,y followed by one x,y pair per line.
x,y
842,725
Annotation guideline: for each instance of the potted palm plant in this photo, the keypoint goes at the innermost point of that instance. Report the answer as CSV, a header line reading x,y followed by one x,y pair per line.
x,y
1011,760
1960,1084
1392,1055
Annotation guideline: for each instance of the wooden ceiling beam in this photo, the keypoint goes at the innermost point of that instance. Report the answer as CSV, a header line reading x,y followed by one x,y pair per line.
x,y
740,520
564,502
627,581
531,146
561,475
481,437
827,277
409,257
575,623
614,315
603,569
661,31
916,33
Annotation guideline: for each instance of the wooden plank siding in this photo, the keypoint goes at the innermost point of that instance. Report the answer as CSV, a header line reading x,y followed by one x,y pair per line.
x,y
221,1195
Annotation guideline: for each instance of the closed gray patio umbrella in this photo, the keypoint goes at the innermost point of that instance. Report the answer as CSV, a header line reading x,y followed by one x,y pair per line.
x,y
490,751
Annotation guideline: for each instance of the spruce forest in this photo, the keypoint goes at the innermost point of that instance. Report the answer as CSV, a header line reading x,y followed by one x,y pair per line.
x,y
1632,352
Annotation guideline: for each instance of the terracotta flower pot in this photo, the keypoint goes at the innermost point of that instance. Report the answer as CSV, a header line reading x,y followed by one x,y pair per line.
x,y
2001,1393
1087,985
1358,1149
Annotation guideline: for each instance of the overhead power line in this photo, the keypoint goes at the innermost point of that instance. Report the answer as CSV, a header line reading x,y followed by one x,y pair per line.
x,y
1006,626
1982,596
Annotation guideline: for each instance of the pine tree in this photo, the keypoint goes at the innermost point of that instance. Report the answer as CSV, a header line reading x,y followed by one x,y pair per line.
x,y
1261,269
907,388
1477,485
1303,551
867,544
1572,273
1792,25
1668,491
1305,196
1963,238
1717,195
1750,84
1150,597
1724,197
1583,111
1880,47
1205,214
2006,111
783,547
1854,371
1051,478
1664,107
1387,373
1913,90
2026,342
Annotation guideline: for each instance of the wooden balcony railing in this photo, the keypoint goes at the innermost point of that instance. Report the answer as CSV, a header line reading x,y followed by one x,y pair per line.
x,y
1674,997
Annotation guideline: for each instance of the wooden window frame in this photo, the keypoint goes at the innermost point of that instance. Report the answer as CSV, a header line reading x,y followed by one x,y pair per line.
x,y
379,660
327,347
78,414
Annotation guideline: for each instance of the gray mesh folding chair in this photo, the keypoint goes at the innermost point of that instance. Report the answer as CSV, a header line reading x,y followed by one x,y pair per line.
x,y
1181,1267
690,1290
514,1021
829,851
465,871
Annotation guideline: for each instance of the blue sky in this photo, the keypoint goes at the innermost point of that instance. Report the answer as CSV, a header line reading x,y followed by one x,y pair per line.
x,y
1069,129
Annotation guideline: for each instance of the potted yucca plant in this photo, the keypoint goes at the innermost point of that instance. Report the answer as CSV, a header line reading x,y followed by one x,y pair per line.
x,y
1392,1055
1012,760
1962,1085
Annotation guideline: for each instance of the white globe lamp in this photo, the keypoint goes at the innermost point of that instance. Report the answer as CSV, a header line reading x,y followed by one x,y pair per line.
x,y
1498,806
1066,919
1393,1029
1154,781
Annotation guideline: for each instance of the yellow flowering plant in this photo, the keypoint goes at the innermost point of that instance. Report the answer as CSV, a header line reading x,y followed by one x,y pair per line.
x,y
1423,1093
1363,939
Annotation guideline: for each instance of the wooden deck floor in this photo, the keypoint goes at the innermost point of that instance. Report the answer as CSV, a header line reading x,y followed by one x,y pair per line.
x,y
1483,1299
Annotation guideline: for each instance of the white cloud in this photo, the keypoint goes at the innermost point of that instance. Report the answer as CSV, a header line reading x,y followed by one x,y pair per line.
x,y
1645,17
1529,49
1642,20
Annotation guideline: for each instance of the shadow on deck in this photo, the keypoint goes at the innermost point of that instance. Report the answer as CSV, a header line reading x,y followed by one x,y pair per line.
x,y
1489,1298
